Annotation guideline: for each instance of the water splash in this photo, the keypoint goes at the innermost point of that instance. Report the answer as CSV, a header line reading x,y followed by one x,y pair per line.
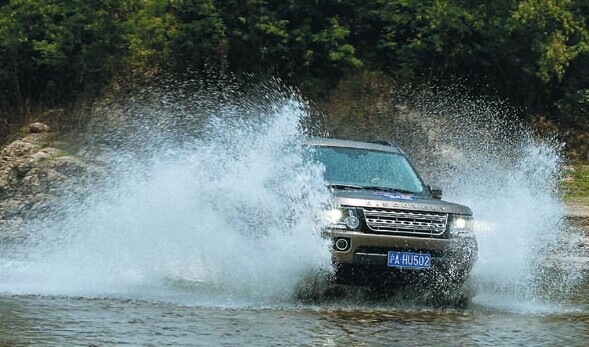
x,y
206,193
483,157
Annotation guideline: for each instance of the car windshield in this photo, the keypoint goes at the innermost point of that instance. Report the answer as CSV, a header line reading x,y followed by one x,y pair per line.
x,y
363,168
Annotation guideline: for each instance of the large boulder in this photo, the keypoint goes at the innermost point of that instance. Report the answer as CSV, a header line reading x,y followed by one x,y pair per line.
x,y
35,177
16,149
38,128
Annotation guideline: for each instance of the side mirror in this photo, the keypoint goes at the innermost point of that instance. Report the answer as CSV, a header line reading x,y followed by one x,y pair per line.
x,y
436,192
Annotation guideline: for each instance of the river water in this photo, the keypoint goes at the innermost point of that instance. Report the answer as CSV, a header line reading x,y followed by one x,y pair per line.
x,y
208,220
60,321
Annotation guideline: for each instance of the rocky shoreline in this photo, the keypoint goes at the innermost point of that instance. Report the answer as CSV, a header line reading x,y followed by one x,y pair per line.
x,y
578,215
36,172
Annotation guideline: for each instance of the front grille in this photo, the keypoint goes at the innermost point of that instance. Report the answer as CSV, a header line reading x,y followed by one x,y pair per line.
x,y
405,222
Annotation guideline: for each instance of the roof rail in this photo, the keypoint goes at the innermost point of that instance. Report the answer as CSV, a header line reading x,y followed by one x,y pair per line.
x,y
382,142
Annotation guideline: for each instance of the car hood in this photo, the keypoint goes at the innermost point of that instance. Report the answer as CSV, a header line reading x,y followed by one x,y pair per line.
x,y
401,201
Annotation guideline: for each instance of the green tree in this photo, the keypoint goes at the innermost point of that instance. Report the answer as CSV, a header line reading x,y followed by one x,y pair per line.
x,y
51,48
201,34
534,52
555,33
148,32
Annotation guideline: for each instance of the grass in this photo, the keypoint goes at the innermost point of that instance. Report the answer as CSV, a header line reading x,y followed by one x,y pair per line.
x,y
576,184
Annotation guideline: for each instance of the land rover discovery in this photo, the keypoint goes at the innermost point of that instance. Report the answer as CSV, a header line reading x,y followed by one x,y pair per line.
x,y
389,227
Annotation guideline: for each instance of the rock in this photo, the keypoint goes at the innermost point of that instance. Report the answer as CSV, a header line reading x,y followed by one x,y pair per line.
x,y
13,207
32,183
68,165
9,228
35,179
44,204
39,139
18,148
45,153
38,128
23,168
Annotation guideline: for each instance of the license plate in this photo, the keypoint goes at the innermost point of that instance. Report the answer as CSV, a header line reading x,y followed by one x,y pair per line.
x,y
409,260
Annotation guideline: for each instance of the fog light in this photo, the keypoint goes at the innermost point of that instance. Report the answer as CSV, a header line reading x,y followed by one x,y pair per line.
x,y
342,245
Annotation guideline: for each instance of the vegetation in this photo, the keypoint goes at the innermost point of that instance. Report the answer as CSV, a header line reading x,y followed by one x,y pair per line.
x,y
576,184
532,52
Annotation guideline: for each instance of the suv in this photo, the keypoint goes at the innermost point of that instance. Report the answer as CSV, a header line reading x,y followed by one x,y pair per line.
x,y
389,227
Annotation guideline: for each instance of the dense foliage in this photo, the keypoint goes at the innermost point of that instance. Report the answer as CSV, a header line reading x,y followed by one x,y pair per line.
x,y
534,52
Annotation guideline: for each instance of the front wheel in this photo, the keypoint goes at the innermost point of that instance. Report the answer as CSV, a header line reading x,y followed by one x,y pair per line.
x,y
449,293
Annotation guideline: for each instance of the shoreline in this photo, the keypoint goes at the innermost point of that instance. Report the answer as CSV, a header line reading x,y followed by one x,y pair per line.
x,y
577,211
578,216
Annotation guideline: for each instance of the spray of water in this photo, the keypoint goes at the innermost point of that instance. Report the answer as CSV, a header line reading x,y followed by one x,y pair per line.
x,y
205,191
483,157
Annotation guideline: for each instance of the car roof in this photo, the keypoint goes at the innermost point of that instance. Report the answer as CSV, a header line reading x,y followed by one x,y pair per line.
x,y
322,141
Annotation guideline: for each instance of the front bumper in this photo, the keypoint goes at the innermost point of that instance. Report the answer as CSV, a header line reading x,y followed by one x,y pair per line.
x,y
366,257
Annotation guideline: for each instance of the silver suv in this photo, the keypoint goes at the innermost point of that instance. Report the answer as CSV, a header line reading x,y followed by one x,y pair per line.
x,y
390,227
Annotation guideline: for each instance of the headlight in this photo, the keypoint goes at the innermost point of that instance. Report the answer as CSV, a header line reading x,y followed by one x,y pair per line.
x,y
334,216
343,218
461,226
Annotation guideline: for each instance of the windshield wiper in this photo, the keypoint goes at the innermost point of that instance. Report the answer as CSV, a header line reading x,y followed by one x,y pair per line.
x,y
387,189
357,187
344,186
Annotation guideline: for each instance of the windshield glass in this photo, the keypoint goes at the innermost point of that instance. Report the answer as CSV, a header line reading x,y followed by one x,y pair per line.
x,y
367,168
